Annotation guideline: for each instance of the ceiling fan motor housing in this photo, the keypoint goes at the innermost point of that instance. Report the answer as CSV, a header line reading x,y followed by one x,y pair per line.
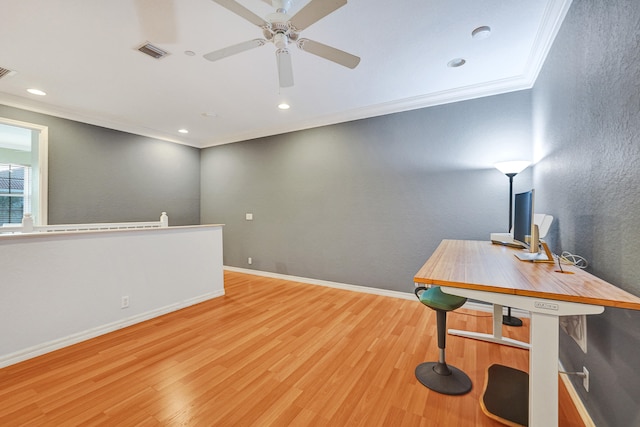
x,y
279,29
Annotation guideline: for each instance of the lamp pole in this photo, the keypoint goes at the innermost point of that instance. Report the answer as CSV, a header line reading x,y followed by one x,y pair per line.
x,y
508,319
511,169
511,175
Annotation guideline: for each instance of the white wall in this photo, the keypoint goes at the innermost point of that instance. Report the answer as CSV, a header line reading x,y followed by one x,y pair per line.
x,y
58,289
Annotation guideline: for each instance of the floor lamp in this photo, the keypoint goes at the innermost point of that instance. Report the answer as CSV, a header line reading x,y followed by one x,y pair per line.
x,y
511,169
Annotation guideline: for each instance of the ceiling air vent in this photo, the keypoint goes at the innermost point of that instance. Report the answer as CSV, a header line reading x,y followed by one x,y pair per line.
x,y
6,73
153,51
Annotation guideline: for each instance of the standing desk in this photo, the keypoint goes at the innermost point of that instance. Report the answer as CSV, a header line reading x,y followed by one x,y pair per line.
x,y
491,273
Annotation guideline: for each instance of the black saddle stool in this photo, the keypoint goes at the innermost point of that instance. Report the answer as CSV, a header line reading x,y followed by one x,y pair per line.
x,y
438,376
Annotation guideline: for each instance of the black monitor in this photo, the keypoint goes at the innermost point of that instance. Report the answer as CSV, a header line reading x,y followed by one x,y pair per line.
x,y
524,229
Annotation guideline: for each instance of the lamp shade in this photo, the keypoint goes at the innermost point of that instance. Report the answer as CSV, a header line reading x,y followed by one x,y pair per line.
x,y
513,167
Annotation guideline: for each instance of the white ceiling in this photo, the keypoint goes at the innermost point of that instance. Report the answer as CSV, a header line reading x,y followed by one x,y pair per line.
x,y
83,54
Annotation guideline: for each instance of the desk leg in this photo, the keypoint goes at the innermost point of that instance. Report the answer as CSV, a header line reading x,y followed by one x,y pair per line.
x,y
497,321
543,370
496,337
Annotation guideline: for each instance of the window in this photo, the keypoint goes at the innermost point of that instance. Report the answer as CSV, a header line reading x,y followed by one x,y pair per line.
x,y
15,198
23,171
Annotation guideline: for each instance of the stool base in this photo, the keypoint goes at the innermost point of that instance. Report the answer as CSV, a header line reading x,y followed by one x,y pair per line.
x,y
455,383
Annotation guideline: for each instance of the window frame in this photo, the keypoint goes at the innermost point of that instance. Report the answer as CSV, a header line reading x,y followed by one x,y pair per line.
x,y
42,171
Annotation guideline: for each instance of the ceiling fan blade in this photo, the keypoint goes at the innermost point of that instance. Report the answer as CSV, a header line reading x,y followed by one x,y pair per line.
x,y
232,50
242,11
157,20
314,11
331,53
285,70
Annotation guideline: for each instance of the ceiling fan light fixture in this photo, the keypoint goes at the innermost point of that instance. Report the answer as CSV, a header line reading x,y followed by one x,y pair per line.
x,y
280,40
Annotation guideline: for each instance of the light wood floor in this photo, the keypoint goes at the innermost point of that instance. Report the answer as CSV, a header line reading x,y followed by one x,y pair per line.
x,y
268,353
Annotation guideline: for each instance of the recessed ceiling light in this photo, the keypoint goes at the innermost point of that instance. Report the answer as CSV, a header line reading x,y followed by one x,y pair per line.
x,y
209,114
481,32
189,53
183,131
456,62
36,92
284,106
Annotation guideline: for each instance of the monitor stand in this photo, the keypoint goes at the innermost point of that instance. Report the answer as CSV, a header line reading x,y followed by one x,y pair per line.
x,y
541,256
528,256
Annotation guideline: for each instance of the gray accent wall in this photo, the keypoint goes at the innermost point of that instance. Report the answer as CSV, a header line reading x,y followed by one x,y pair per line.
x,y
586,118
103,175
367,202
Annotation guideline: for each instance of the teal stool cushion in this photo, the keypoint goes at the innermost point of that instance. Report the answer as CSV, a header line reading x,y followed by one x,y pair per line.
x,y
434,298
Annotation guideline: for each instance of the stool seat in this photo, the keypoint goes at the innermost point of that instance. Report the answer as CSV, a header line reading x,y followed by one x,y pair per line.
x,y
438,376
434,298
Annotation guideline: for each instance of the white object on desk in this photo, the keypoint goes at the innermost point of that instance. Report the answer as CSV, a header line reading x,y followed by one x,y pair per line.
x,y
543,221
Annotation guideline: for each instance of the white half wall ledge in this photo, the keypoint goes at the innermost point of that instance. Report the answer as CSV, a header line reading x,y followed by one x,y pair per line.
x,y
65,287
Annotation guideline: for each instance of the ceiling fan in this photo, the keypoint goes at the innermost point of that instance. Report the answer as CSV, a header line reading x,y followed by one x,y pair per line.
x,y
282,29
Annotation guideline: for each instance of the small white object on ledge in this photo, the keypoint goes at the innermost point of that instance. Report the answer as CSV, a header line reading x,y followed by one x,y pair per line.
x,y
27,223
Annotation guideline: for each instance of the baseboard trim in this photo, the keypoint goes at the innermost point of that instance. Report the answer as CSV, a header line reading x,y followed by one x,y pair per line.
x,y
471,305
344,286
40,349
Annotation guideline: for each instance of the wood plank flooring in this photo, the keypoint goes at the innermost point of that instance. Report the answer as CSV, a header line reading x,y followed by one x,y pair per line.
x,y
268,353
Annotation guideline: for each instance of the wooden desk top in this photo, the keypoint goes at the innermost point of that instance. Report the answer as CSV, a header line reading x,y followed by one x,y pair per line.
x,y
487,267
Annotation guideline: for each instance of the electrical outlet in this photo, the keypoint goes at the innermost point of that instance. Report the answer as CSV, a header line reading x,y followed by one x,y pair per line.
x,y
249,261
124,301
585,379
